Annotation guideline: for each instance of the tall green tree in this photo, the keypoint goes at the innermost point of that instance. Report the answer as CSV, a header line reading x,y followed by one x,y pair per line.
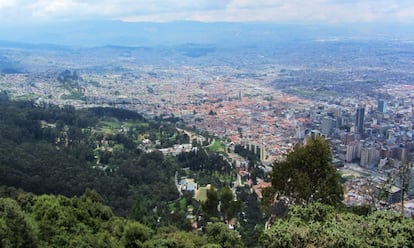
x,y
210,205
319,225
308,175
219,233
15,229
136,234
229,207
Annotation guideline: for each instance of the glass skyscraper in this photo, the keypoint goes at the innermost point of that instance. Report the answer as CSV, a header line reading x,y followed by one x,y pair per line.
x,y
359,120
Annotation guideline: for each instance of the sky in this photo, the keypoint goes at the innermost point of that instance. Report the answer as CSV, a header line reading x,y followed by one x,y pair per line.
x,y
25,12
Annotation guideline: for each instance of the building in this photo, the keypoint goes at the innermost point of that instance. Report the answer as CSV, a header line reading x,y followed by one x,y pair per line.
x,y
188,185
328,124
382,106
262,153
339,121
369,156
300,132
348,138
258,150
353,151
359,120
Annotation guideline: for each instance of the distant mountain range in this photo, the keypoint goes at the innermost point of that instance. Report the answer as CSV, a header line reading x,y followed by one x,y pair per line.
x,y
119,33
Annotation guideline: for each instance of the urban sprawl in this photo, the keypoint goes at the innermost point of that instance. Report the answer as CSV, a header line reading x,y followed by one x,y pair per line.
x,y
366,111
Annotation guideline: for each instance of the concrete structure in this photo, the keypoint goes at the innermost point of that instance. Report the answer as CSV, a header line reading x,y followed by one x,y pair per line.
x,y
353,151
328,124
382,106
359,120
369,156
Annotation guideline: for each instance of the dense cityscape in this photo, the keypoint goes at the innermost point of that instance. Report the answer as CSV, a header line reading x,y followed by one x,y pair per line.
x,y
362,102
210,123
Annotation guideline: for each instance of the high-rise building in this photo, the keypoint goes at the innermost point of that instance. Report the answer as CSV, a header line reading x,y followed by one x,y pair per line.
x,y
328,124
350,154
353,151
300,132
262,153
348,138
359,120
339,121
369,156
382,106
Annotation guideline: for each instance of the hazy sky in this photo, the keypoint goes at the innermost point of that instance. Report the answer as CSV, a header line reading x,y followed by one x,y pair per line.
x,y
302,11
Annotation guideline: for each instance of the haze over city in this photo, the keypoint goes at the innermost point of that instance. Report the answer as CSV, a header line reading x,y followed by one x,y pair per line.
x,y
91,23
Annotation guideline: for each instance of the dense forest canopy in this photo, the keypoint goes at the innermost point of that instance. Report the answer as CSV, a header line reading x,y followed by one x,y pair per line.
x,y
48,149
64,151
318,225
28,221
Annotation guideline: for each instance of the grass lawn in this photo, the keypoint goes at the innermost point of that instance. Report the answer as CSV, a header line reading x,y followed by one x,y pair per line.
x,y
217,146
171,206
201,195
108,126
182,203
24,97
137,124
113,124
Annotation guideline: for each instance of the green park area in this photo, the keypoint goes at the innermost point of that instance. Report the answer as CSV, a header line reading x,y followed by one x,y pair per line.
x,y
201,194
217,146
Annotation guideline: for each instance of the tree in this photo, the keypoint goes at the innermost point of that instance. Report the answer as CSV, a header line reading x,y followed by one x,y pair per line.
x,y
318,225
171,237
210,205
219,233
308,175
15,229
136,234
229,207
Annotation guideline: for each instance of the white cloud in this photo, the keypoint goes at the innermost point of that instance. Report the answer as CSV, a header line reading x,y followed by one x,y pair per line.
x,y
347,11
7,3
331,11
45,8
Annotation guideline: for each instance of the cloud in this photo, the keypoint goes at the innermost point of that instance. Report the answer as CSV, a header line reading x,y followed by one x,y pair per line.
x,y
7,3
330,11
50,9
327,11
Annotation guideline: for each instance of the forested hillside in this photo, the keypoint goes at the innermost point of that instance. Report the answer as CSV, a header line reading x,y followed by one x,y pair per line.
x,y
64,151
28,221
46,149
95,178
